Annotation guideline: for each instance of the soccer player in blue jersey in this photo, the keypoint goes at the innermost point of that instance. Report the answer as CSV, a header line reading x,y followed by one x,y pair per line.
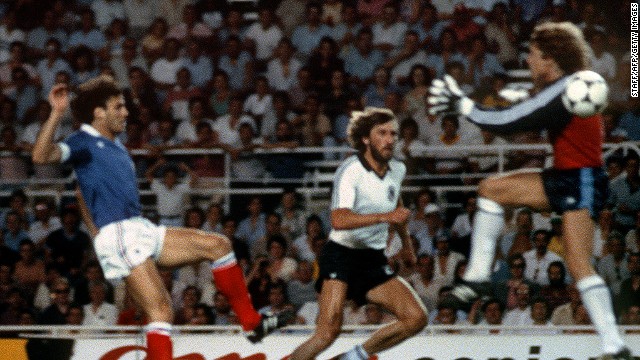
x,y
129,246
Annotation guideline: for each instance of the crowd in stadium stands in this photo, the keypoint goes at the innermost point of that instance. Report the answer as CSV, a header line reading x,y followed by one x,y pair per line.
x,y
202,75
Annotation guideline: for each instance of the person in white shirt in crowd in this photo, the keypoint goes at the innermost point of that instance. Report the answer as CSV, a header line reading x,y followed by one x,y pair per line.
x,y
292,212
164,71
259,102
45,223
227,126
214,215
282,70
445,260
140,14
613,266
9,33
186,131
537,260
409,148
521,314
302,246
263,36
170,194
404,58
390,31
245,164
301,289
106,11
602,61
99,312
424,284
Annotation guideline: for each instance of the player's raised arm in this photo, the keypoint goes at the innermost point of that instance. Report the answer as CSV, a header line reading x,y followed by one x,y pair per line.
x,y
45,150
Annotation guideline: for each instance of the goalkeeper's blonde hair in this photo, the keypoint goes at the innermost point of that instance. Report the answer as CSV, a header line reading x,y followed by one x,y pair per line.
x,y
362,122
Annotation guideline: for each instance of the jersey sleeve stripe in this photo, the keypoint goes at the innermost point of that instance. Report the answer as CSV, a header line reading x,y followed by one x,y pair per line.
x,y
518,111
65,152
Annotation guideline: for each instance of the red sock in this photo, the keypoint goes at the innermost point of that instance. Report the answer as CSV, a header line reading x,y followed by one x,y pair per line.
x,y
228,278
159,341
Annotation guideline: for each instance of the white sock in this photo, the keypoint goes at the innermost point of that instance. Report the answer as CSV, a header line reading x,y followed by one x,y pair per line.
x,y
487,226
597,299
357,353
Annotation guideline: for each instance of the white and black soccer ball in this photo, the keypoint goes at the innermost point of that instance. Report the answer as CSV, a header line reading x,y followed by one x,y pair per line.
x,y
585,94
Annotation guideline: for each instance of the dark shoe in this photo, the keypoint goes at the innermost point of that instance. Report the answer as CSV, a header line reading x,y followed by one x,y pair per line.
x,y
269,324
624,354
464,295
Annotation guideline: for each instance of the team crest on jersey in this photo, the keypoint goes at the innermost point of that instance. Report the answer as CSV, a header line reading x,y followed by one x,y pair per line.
x,y
391,194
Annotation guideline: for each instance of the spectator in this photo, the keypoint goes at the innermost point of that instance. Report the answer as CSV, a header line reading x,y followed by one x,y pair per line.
x,y
389,31
632,240
211,12
278,302
371,10
214,217
324,60
43,294
361,59
9,32
273,228
630,287
178,99
519,240
46,222
631,316
301,289
170,194
222,311
481,64
557,292
281,266
306,37
376,92
140,14
56,313
38,38
302,246
613,266
127,59
259,102
186,133
463,26
92,275
263,37
88,35
538,259
253,227
221,95
259,281
563,314
190,27
414,102
346,30
83,63
280,110
312,126
240,248
12,307
283,68
226,127
164,71
506,291
140,94
422,280
409,149
501,33
13,165
22,92
199,65
18,203
237,63
153,43
51,64
445,261
171,10
338,95
303,88
99,312
233,26
245,164
429,27
106,11
492,314
624,196
190,298
520,315
404,58
447,53
292,215
69,244
14,230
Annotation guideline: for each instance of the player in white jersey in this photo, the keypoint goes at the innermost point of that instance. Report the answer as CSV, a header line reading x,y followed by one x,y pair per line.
x,y
365,206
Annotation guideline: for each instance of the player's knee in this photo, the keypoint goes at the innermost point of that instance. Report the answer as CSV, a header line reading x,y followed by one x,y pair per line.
x,y
414,320
216,245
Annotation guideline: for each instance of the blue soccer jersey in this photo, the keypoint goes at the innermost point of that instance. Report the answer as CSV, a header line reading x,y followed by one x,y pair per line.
x,y
106,175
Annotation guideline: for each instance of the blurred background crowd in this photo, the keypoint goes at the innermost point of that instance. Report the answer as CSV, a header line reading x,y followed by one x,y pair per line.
x,y
241,76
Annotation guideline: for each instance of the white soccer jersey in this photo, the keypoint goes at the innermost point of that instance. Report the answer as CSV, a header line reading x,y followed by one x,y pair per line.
x,y
358,188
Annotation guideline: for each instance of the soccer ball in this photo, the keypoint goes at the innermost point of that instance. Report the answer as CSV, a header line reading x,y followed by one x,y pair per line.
x,y
585,93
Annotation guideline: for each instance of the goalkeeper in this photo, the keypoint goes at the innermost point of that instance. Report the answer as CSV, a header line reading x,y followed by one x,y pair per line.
x,y
576,186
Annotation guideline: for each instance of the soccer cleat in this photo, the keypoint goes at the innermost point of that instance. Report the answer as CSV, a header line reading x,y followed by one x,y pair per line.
x,y
624,354
269,324
465,294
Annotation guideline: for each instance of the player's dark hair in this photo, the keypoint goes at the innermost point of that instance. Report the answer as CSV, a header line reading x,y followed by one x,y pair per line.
x,y
362,122
93,94
564,43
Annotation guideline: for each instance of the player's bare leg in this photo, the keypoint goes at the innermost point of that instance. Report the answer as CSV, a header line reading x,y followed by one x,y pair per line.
x,y
146,287
396,296
331,302
186,246
577,232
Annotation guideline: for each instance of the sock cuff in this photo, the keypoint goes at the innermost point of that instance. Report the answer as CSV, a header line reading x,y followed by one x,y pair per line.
x,y
159,327
490,206
590,282
224,262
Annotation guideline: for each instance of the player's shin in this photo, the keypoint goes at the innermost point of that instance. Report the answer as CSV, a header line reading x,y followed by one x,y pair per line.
x,y
487,226
229,280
